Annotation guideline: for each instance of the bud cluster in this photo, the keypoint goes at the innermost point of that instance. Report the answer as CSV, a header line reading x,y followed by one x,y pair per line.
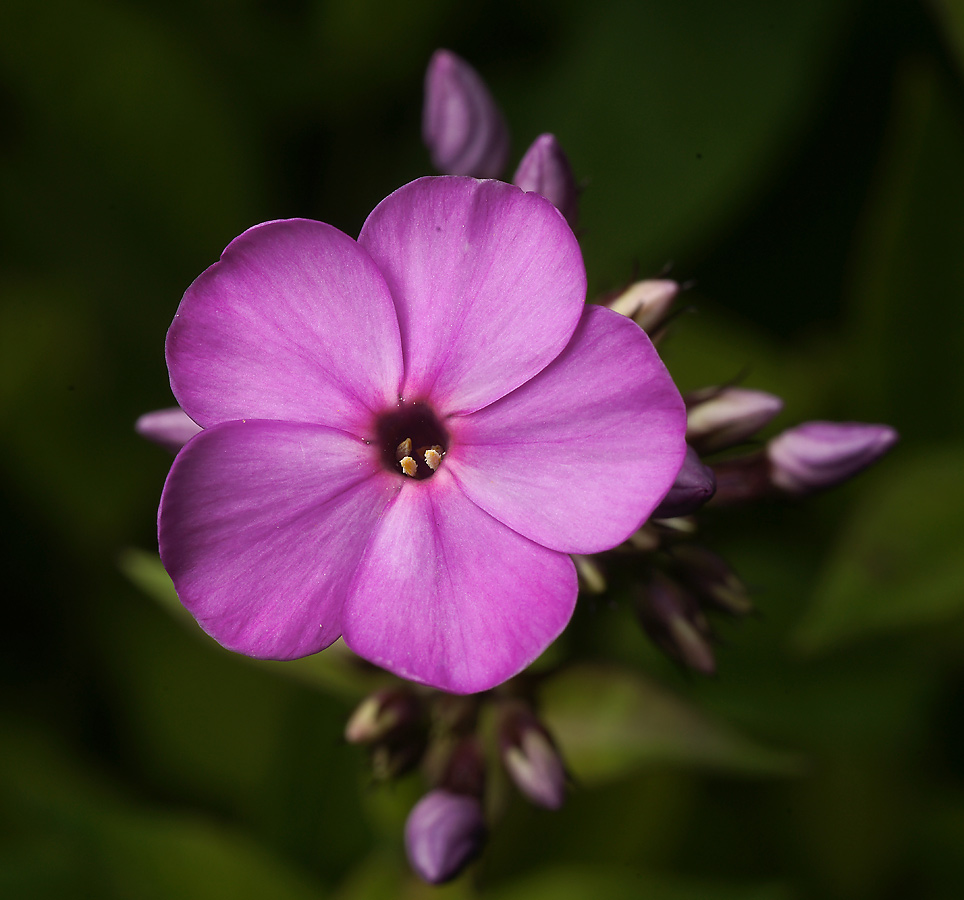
x,y
406,727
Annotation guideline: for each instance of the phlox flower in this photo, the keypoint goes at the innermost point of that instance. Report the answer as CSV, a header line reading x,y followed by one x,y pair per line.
x,y
405,437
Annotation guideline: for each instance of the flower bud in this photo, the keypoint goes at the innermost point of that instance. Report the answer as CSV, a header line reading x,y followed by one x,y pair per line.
x,y
592,579
694,485
819,455
464,771
672,618
718,418
443,834
646,302
545,169
381,715
171,428
743,479
647,539
712,580
462,125
530,757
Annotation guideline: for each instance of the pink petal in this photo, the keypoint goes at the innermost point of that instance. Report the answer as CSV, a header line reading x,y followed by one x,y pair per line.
x,y
294,323
579,457
449,597
261,527
488,282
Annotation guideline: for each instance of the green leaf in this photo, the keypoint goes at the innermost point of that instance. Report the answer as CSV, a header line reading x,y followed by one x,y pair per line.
x,y
898,563
610,722
102,845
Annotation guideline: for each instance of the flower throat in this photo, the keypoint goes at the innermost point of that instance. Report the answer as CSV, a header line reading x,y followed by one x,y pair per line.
x,y
411,440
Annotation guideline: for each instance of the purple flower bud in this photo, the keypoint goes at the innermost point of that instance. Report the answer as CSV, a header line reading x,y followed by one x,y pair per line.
x,y
819,455
694,485
545,169
171,428
444,832
530,757
465,769
646,302
718,418
743,479
672,618
462,125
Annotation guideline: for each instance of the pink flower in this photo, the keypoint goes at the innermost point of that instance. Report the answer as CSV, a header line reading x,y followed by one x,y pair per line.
x,y
406,436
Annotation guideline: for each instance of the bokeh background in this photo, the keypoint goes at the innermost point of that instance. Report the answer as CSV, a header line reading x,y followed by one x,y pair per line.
x,y
801,163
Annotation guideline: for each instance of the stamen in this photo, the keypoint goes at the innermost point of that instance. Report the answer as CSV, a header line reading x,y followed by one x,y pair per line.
x,y
409,466
433,456
403,449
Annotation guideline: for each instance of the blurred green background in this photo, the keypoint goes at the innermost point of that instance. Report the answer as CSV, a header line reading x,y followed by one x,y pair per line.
x,y
801,162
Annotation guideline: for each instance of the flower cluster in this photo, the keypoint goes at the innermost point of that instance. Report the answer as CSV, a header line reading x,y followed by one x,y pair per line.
x,y
424,441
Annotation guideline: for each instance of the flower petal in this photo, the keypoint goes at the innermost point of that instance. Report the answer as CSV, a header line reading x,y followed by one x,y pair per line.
x,y
261,527
449,597
579,457
294,323
488,282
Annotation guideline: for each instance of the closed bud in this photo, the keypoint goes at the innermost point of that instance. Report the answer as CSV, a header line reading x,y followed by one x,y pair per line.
x,y
444,832
647,539
464,771
694,485
545,169
743,479
382,714
710,577
818,455
672,618
592,579
170,428
530,756
646,302
462,125
718,418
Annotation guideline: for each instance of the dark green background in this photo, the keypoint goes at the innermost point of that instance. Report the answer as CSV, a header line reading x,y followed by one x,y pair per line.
x,y
801,162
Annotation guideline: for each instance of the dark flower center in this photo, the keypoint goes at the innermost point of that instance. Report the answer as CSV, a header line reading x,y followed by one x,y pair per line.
x,y
411,440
